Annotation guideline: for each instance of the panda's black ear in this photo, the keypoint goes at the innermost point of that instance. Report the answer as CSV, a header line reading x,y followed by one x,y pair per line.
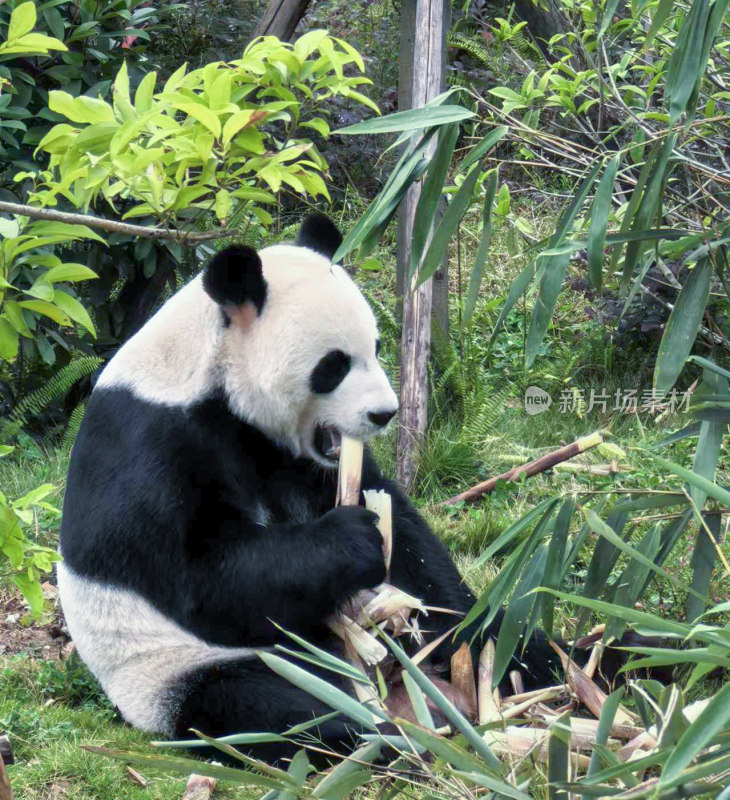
x,y
320,234
234,277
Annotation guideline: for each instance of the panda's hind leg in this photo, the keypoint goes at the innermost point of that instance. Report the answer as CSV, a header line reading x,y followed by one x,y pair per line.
x,y
245,696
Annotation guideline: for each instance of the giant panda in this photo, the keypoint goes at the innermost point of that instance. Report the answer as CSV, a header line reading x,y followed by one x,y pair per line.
x,y
199,507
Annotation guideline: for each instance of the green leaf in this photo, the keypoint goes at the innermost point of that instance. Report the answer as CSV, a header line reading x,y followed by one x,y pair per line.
x,y
608,714
555,559
202,114
559,756
685,69
714,717
448,224
32,592
338,783
22,21
240,120
703,561
186,766
709,444
597,525
80,109
608,11
475,280
8,340
660,15
70,273
47,310
75,310
648,203
681,328
553,273
145,91
599,221
516,617
413,119
711,489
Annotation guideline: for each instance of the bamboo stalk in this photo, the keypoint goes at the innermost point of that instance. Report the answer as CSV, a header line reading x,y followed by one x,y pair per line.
x,y
462,677
528,470
586,690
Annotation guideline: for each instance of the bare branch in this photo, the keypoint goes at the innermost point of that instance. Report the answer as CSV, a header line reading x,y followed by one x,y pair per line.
x,y
188,238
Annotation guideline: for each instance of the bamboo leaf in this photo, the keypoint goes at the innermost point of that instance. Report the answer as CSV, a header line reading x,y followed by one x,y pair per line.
x,y
704,556
598,526
711,489
475,280
553,274
648,205
448,224
322,690
513,625
433,184
685,67
415,118
554,566
486,144
559,756
599,216
700,733
681,329
709,444
608,714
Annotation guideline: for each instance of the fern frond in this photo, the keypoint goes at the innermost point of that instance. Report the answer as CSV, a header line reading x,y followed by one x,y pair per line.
x,y
36,402
73,425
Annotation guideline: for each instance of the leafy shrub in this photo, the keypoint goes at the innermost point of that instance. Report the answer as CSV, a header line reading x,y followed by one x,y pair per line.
x,y
211,139
24,561
84,45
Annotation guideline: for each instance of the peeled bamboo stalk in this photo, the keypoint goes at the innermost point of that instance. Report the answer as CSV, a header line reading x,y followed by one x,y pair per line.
x,y
199,787
489,702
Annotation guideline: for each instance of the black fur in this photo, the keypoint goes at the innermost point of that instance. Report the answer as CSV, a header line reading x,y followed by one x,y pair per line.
x,y
320,234
330,372
234,276
166,502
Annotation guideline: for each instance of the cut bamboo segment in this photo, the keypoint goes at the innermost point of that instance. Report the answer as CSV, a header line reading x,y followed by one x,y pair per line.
x,y
462,677
350,474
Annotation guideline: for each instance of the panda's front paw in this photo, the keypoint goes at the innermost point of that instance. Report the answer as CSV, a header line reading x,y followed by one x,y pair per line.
x,y
359,545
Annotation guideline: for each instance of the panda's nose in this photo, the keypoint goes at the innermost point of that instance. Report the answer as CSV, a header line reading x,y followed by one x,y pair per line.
x,y
381,418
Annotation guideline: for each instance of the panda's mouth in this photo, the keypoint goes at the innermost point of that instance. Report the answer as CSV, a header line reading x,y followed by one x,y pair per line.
x,y
327,441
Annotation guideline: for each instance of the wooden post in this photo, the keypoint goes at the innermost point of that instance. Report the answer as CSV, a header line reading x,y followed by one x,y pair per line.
x,y
425,51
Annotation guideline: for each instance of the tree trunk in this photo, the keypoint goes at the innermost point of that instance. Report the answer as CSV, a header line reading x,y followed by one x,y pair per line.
x,y
425,52
281,18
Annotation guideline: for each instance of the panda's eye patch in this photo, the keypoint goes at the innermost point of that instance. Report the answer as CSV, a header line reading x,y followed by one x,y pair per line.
x,y
377,348
330,372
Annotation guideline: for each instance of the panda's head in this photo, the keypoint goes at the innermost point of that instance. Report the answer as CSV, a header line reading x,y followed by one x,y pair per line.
x,y
298,344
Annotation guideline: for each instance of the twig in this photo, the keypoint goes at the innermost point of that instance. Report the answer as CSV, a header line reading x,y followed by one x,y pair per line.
x,y
528,470
113,226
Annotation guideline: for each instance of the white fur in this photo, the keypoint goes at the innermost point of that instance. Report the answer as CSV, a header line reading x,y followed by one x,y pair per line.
x,y
312,307
136,653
